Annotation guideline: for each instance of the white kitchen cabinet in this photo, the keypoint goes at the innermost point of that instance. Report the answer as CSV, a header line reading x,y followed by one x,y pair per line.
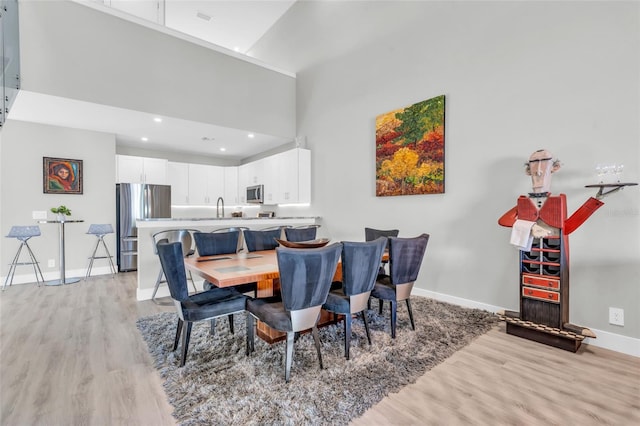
x,y
293,176
231,197
270,166
248,175
179,180
206,184
132,169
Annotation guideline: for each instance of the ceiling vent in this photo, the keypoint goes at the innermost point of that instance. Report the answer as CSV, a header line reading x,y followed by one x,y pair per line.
x,y
203,16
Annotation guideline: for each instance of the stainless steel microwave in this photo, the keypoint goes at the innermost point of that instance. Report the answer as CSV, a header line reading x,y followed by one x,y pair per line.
x,y
255,194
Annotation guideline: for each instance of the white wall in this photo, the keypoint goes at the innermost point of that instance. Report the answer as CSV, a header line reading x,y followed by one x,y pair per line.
x,y
518,76
21,192
95,57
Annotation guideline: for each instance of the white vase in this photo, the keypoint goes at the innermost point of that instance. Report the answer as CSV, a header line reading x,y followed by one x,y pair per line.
x,y
61,217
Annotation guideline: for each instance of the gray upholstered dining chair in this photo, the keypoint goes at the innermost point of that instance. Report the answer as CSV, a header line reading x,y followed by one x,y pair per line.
x,y
305,280
184,236
203,306
371,234
360,263
405,259
305,233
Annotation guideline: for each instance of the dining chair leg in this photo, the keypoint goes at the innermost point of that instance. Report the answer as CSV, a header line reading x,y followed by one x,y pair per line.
x,y
413,326
186,335
288,355
250,334
193,283
394,316
212,328
366,325
230,317
380,306
347,334
178,332
316,338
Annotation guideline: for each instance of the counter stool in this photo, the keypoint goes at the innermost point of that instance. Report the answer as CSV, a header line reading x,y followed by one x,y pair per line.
x,y
100,230
23,233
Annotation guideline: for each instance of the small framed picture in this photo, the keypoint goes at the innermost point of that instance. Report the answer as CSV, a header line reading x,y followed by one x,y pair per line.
x,y
61,176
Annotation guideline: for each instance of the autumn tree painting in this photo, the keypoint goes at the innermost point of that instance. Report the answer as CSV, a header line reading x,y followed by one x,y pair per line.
x,y
410,150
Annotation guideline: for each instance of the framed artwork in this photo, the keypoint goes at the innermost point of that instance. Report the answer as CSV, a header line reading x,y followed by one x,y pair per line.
x,y
410,149
61,176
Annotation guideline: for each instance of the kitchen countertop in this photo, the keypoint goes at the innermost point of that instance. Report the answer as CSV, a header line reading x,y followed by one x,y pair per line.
x,y
225,218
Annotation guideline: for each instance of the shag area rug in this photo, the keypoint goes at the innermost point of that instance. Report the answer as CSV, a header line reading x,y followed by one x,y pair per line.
x,y
220,385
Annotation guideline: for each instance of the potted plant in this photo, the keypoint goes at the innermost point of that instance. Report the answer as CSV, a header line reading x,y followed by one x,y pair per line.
x,y
61,211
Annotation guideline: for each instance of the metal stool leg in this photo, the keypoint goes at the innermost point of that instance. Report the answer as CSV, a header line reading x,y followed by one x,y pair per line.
x,y
12,267
36,264
91,259
113,267
158,281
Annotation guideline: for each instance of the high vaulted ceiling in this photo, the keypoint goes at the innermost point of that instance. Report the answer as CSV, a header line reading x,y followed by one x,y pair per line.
x,y
233,25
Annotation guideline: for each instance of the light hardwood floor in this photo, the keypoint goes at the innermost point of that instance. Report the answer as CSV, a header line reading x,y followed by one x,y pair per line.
x,y
72,356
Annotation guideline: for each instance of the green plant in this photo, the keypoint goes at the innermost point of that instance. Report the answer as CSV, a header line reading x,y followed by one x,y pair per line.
x,y
61,210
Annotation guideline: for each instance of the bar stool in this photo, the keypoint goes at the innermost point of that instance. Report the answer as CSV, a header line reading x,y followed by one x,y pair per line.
x,y
23,233
100,230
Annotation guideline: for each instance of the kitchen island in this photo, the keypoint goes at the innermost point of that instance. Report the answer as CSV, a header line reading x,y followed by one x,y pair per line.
x,y
149,264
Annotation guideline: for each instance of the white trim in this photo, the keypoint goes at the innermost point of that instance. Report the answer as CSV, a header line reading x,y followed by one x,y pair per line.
x,y
607,340
27,276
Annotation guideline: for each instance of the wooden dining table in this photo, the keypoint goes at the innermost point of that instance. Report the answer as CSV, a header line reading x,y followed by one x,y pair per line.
x,y
261,267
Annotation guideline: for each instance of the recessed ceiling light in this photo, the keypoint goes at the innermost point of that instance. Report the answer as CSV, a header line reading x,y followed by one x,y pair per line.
x,y
144,139
223,149
251,135
157,120
236,49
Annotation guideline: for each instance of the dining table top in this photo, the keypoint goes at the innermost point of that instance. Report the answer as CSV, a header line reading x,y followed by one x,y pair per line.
x,y
228,270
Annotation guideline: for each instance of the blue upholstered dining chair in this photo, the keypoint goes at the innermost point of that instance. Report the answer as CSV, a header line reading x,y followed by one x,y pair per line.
x,y
203,306
405,259
371,234
261,240
215,243
305,280
184,236
306,233
360,262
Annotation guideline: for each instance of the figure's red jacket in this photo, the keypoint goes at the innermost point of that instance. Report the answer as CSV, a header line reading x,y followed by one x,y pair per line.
x,y
553,212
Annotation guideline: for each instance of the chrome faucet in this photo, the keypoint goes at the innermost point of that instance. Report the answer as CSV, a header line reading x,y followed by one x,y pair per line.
x,y
220,200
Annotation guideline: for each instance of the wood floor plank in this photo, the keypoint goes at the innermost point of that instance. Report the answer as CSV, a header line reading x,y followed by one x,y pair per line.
x,y
73,355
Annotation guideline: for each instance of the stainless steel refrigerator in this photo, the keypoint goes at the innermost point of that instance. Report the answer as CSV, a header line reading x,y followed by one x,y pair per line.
x,y
137,201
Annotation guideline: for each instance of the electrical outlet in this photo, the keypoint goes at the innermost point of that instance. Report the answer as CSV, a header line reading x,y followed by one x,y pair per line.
x,y
616,316
51,263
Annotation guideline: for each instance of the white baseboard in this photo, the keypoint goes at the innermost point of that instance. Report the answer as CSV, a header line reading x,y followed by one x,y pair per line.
x,y
607,340
30,278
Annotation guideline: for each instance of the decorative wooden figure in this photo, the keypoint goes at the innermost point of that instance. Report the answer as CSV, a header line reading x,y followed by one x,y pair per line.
x,y
540,228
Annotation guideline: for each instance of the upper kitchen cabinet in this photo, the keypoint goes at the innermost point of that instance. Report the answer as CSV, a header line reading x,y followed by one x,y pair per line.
x,y
206,184
179,180
231,186
248,175
131,169
293,177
